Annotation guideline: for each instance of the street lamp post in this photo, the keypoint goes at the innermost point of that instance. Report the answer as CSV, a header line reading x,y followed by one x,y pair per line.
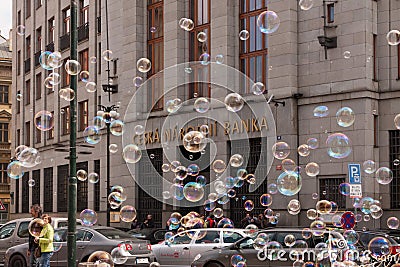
x,y
108,113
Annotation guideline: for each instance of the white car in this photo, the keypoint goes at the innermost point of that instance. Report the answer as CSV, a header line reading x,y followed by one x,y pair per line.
x,y
181,249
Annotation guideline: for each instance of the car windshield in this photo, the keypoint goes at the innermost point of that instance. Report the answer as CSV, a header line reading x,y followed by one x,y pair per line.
x,y
114,233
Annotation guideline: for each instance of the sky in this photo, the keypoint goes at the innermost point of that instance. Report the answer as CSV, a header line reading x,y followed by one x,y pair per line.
x,y
5,17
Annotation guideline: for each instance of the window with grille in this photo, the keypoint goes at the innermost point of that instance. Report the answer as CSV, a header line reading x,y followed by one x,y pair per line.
x,y
4,132
50,133
28,6
51,29
38,39
83,115
38,133
36,187
96,195
394,153
16,196
48,188
62,183
329,190
27,133
256,160
65,123
84,11
66,78
25,193
82,189
84,59
66,19
38,86
253,51
200,11
148,169
155,50
4,179
4,90
19,62
27,96
28,47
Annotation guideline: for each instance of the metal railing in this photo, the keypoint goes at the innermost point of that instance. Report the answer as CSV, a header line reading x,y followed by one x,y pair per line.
x,y
50,47
64,41
83,32
37,58
27,65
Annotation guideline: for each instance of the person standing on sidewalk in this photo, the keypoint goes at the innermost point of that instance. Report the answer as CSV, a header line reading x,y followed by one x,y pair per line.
x,y
46,242
36,212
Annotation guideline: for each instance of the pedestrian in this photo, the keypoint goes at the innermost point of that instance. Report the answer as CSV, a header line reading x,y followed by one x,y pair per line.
x,y
135,224
210,221
36,212
246,220
263,221
148,223
46,242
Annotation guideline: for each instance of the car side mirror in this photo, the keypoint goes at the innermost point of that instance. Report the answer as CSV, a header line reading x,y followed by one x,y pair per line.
x,y
234,246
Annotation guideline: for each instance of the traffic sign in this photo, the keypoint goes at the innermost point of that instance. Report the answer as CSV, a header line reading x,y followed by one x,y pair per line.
x,y
2,206
355,191
348,220
354,173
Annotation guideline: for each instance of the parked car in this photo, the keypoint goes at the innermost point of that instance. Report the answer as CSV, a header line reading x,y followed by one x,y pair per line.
x,y
15,232
181,249
154,235
277,252
88,240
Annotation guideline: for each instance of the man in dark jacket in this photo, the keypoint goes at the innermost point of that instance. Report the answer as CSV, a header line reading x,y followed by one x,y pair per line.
x,y
148,223
36,212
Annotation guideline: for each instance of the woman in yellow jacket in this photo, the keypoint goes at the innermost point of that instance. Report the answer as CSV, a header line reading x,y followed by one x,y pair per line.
x,y
46,242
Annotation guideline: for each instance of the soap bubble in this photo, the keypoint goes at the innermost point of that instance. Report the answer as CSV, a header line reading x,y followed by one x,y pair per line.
x,y
306,4
289,183
205,59
268,22
113,148
139,129
201,105
258,88
55,60
143,65
35,227
266,200
117,127
219,59
21,30
321,111
128,213
93,177
204,129
137,81
244,35
53,79
193,169
312,169
236,259
236,160
339,145
44,120
272,189
173,105
312,143
19,97
15,170
219,166
72,67
379,246
132,153
84,76
281,150
28,157
92,135
93,59
294,206
91,87
396,162
303,150
234,102
101,258
369,166
347,54
188,70
323,207
344,189
393,37
393,223
194,141
81,175
44,60
108,55
88,217
345,117
384,175
289,240
193,192
202,37
312,214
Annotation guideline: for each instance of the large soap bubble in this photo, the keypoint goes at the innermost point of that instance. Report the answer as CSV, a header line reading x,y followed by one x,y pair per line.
x,y
234,102
345,117
268,22
339,145
194,141
289,183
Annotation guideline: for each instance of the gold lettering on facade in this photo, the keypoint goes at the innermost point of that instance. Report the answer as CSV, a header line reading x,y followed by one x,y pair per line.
x,y
254,127
263,123
226,128
245,125
156,136
235,127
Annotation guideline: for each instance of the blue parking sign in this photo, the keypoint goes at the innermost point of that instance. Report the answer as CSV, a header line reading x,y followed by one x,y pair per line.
x,y
354,173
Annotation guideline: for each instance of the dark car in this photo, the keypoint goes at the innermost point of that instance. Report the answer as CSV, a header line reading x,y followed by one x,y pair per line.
x,y
88,240
153,235
366,236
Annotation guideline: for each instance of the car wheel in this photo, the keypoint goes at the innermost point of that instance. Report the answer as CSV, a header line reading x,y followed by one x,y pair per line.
x,y
17,261
214,264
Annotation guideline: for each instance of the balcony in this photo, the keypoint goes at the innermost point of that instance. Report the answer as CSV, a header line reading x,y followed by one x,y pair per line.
x,y
5,147
98,24
5,188
83,32
64,41
50,47
27,65
37,58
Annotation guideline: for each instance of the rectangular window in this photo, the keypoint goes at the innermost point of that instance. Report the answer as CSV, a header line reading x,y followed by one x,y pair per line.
x,y
38,133
84,59
375,60
200,11
36,188
18,137
51,27
39,39
155,50
16,197
82,188
254,50
66,78
4,179
50,133
38,91
4,132
25,193
376,130
328,190
331,12
28,7
4,94
19,62
27,133
394,153
28,47
27,95
99,56
65,126
18,102
96,195
83,111
19,17
398,61
84,8
62,183
48,187
66,20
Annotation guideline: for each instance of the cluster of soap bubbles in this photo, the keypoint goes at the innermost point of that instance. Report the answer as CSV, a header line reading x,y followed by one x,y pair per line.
x,y
25,157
